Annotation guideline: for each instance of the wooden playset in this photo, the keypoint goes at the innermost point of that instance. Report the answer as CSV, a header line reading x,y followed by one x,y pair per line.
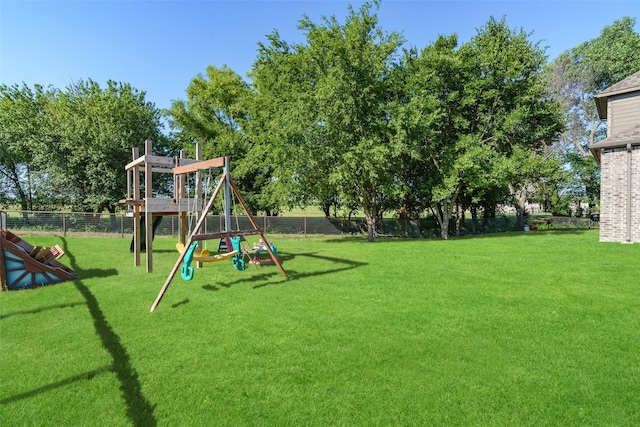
x,y
190,248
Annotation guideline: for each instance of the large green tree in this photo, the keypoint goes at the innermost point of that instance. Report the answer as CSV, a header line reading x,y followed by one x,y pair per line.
x,y
21,128
494,105
90,132
575,77
214,113
425,110
332,97
219,113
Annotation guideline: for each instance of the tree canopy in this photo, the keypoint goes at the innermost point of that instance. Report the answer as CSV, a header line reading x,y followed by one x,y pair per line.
x,y
344,118
22,125
336,85
350,118
71,146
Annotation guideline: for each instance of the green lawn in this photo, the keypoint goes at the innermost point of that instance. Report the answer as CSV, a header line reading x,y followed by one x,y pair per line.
x,y
513,329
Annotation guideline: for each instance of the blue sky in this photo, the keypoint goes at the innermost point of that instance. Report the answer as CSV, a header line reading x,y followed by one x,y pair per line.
x,y
159,46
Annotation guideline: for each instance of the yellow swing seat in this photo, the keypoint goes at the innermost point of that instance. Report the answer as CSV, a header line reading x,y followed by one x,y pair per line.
x,y
205,256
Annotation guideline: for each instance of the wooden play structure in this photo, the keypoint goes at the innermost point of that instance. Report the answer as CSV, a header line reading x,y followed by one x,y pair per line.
x,y
24,266
146,209
190,248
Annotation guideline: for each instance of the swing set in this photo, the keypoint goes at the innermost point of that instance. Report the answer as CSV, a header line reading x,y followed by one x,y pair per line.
x,y
196,236
190,248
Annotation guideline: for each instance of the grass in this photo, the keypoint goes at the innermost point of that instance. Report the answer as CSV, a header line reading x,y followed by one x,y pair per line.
x,y
511,329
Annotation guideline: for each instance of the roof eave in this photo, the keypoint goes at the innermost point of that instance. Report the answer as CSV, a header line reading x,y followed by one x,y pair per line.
x,y
601,145
601,106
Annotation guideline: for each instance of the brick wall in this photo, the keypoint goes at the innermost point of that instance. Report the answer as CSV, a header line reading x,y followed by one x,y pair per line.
x,y
635,194
614,195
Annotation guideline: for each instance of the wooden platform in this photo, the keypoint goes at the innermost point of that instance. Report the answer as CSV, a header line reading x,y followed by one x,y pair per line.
x,y
163,206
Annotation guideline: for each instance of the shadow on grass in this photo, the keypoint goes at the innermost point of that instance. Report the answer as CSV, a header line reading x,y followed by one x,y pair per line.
x,y
179,303
264,278
41,309
94,272
139,410
50,387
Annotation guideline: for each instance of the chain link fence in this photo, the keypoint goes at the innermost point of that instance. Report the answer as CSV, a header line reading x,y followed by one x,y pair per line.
x,y
121,225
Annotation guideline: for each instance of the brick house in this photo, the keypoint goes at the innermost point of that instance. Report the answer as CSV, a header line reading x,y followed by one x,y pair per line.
x,y
619,158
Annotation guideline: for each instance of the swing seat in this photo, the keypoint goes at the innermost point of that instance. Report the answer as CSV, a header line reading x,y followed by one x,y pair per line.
x,y
205,256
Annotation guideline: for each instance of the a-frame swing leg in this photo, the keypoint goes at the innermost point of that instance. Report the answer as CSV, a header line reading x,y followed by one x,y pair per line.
x,y
273,256
201,220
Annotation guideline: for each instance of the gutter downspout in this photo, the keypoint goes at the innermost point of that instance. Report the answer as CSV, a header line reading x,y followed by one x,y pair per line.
x,y
629,192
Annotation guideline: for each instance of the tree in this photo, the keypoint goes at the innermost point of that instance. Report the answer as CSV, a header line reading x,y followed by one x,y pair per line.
x,y
575,77
90,134
525,171
332,98
424,112
21,127
214,114
217,114
284,132
493,104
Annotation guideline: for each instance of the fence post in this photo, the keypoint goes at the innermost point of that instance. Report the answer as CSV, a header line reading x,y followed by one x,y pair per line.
x,y
64,224
122,226
305,226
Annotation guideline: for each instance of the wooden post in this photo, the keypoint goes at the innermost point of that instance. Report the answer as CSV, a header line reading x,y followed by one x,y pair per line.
x,y
136,209
180,190
227,196
198,212
148,216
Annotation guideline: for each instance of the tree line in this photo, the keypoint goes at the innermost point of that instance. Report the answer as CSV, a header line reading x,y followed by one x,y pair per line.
x,y
350,120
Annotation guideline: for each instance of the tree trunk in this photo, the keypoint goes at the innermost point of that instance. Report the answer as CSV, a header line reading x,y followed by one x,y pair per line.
x,y
443,213
113,222
444,210
371,226
444,226
520,198
474,219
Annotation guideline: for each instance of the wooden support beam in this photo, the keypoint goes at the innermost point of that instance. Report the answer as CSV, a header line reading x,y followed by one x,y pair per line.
x,y
136,210
205,164
223,235
161,170
153,160
182,161
132,202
